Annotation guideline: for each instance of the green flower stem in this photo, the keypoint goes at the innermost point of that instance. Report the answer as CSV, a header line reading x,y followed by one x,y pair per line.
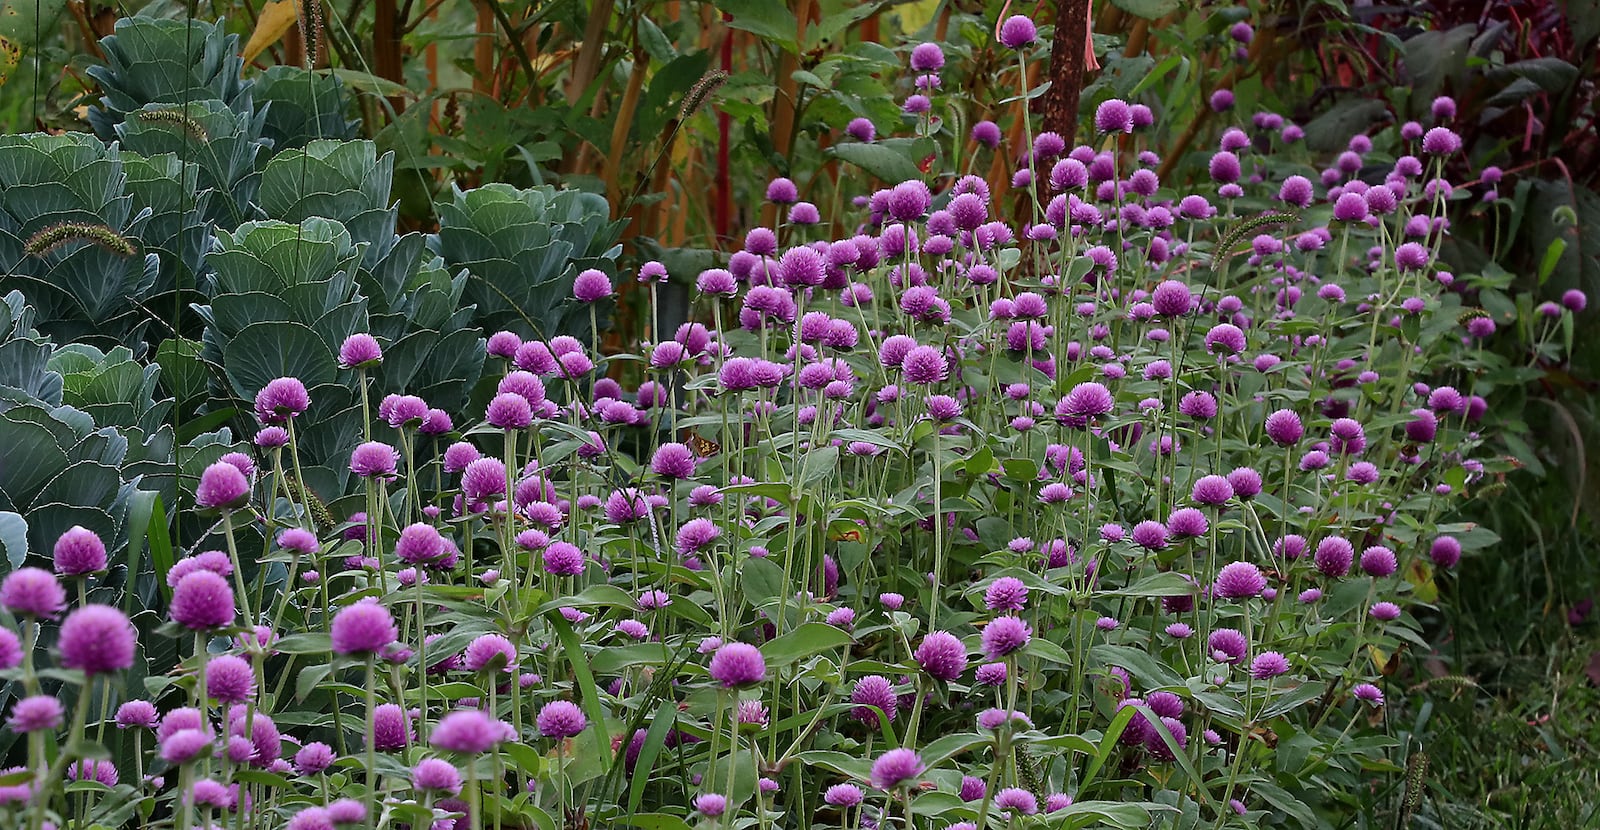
x,y
372,756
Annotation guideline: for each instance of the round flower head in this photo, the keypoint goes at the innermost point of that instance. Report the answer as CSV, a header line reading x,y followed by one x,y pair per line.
x,y
942,656
222,487
736,665
711,805
1212,490
1005,635
861,129
374,459
874,690
1445,551
1369,693
1379,561
202,600
282,398
1240,580
927,57
490,653
1007,593
591,286
96,639
363,628
1018,32
1284,428
986,133
313,758
79,551
1384,611
561,719
1150,535
229,679
1016,800
360,350
420,543
1172,299
843,795
1113,116
509,410
1441,141
34,714
436,775
896,766
1334,556
673,460
782,191
94,769
1228,645
1246,482
1268,664
32,592
468,731
10,650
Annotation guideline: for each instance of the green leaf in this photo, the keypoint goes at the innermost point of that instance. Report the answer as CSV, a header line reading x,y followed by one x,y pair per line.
x,y
950,746
309,642
762,580
1165,584
810,638
1137,662
1293,699
660,724
819,462
1147,9
890,163
770,20
580,669
14,537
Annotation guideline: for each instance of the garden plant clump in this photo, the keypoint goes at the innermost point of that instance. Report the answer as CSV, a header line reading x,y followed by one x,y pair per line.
x,y
1111,502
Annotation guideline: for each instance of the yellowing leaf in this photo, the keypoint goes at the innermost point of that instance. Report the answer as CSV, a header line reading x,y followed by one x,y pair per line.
x,y
1379,658
1421,577
276,18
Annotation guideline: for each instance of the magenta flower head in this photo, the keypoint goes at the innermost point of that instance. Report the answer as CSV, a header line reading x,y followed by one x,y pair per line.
x,y
711,805
927,57
230,679
873,690
1284,428
1005,635
942,656
1212,491
673,460
561,719
468,731
10,650
1113,116
1334,556
1172,298
1441,141
1379,561
280,399
79,551
363,628
736,665
782,191
1007,593
32,592
360,351
202,600
313,758
897,765
925,365
1017,32
591,286
843,795
436,775
489,652
1445,551
391,728
483,479
96,639
35,714
374,459
222,487
1240,580
1083,403
986,133
137,713
1268,664
509,410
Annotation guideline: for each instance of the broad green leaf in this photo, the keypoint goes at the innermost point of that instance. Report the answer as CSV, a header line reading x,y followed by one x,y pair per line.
x,y
810,638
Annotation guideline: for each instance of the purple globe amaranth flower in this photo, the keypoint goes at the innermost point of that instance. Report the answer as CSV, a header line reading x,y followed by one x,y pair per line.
x,y
873,690
202,600
374,459
673,461
1007,593
282,398
711,805
94,769
1228,645
1384,611
36,714
736,665
1187,522
927,57
1212,491
561,719
1334,557
861,129
1441,141
1150,535
1004,636
986,133
229,679
1379,561
1084,402
1368,692
222,487
924,365
363,628
1017,32
32,592
1226,338
436,775
489,653
942,656
1445,551
360,351
313,758
391,728
1172,298
420,543
782,191
1240,580
79,551
509,411
1284,428
10,650
1221,100
894,767
96,639
483,479
591,286
843,795
468,731
1016,800
1113,116
1246,483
